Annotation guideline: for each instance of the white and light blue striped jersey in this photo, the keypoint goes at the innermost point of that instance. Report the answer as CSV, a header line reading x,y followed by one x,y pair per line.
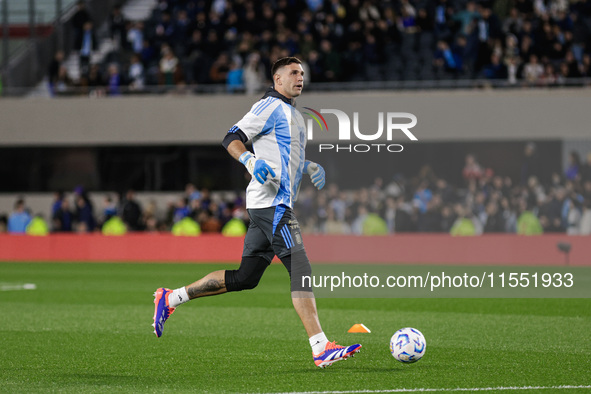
x,y
278,135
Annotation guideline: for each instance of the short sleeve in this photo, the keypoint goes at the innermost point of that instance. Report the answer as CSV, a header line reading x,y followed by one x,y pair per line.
x,y
255,122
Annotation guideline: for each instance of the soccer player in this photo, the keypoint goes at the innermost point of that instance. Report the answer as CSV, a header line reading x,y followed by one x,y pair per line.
x,y
276,129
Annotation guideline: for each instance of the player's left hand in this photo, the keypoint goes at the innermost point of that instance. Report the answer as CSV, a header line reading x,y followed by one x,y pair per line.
x,y
316,172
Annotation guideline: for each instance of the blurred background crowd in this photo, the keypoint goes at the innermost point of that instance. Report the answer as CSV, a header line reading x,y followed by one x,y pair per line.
x,y
486,202
234,42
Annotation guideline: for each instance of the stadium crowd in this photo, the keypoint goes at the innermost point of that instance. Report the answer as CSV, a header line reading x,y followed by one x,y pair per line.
x,y
234,42
485,203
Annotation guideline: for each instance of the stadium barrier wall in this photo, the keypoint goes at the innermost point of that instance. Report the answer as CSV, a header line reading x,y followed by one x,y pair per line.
x,y
394,249
442,116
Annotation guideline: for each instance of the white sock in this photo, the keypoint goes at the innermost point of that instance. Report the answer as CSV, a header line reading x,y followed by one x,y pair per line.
x,y
318,343
177,297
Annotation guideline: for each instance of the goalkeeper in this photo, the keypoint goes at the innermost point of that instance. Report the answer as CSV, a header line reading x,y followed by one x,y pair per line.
x,y
276,129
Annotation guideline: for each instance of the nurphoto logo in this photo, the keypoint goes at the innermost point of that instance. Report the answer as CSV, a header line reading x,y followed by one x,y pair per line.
x,y
393,125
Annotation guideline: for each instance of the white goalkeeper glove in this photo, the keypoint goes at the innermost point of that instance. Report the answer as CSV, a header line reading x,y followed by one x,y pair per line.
x,y
316,172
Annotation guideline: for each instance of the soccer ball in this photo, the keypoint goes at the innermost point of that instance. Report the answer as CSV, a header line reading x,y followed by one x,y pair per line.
x,y
408,345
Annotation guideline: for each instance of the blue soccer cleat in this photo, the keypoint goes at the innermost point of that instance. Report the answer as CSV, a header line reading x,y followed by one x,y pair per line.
x,y
162,310
333,353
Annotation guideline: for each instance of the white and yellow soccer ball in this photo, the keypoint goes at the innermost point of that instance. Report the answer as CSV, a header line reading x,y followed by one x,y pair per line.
x,y
408,345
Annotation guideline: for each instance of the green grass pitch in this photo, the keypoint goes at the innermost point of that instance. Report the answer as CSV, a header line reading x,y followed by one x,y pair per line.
x,y
87,328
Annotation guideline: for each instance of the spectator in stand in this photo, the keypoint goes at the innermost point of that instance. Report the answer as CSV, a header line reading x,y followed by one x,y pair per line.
x,y
164,31
563,74
551,211
79,19
113,86
587,190
466,17
586,66
444,60
117,27
208,221
135,73
170,69
573,217
533,70
254,74
573,66
585,223
109,208
513,23
191,192
530,163
53,72
496,69
63,218
357,225
131,212
19,219
472,170
479,206
422,197
234,81
86,45
572,172
389,213
448,218
220,68
57,202
586,170
182,29
85,221
63,82
445,191
334,226
361,36
181,210
94,82
135,37
494,221
405,215
331,61
549,77
430,221
148,54
3,223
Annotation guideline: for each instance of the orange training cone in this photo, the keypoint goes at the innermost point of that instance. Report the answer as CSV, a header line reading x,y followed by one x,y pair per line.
x,y
359,328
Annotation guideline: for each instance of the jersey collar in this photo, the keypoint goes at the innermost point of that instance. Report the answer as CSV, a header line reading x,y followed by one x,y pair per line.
x,y
271,92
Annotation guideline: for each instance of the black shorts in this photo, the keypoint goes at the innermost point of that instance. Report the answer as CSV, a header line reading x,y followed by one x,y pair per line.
x,y
273,231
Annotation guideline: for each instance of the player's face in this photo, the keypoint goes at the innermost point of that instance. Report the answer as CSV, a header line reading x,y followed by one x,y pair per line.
x,y
290,80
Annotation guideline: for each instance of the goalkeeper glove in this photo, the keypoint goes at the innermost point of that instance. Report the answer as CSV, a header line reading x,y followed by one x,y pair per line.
x,y
258,168
316,172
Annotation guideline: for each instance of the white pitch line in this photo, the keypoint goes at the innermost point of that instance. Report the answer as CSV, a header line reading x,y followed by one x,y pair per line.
x,y
429,390
17,286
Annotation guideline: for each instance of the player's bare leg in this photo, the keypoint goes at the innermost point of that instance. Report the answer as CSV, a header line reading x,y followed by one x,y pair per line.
x,y
325,353
305,305
211,284
166,300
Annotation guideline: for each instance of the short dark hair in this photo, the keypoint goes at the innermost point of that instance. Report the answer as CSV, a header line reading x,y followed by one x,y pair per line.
x,y
19,202
284,61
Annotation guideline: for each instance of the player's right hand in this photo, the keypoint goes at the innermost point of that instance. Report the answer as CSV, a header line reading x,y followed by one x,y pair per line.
x,y
261,170
258,168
